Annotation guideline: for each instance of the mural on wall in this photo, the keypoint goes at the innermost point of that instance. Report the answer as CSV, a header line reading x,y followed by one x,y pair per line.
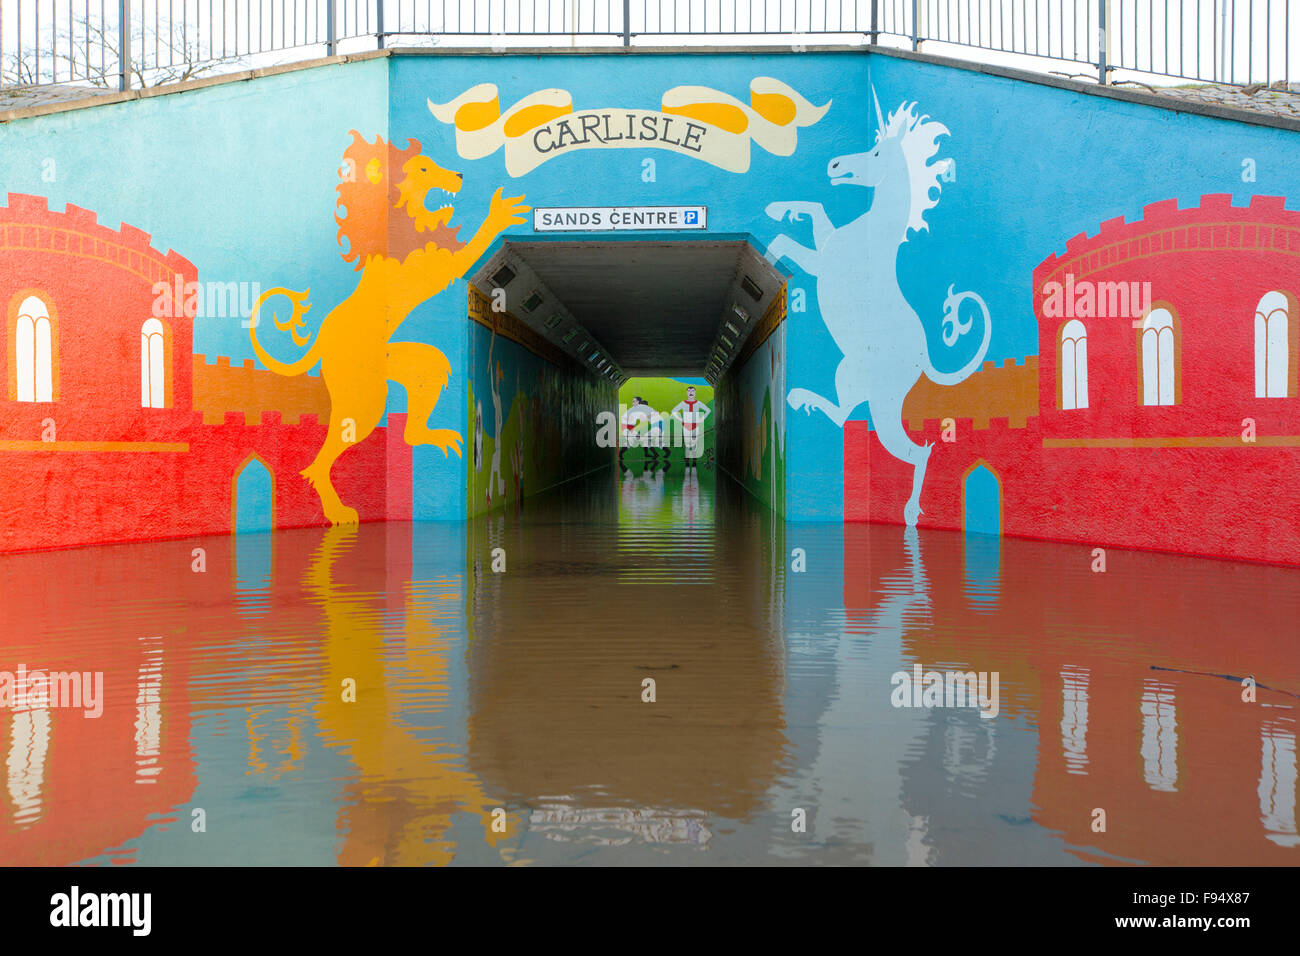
x,y
156,442
696,121
650,438
752,436
405,257
495,483
1177,433
1155,372
879,333
542,429
692,414
656,416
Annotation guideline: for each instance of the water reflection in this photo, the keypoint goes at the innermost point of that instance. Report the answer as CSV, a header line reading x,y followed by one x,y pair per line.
x,y
476,693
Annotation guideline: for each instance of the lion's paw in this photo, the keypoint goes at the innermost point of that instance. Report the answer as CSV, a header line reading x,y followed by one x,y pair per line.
x,y
342,515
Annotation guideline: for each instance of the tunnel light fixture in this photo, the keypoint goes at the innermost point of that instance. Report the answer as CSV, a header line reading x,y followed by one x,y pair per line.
x,y
503,277
568,336
554,320
740,313
531,303
751,288
731,328
582,347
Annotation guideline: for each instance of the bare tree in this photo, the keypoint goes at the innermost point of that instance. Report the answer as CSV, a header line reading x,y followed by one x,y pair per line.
x,y
86,53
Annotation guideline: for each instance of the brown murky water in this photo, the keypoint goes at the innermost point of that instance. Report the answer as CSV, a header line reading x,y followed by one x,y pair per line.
x,y
382,695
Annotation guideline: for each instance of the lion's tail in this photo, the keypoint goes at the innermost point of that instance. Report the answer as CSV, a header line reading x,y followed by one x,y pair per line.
x,y
292,325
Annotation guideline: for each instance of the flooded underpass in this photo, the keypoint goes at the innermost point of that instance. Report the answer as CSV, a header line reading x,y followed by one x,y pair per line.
x,y
648,666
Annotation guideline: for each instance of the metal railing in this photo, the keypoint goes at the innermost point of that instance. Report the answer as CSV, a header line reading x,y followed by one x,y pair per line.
x,y
1215,41
133,43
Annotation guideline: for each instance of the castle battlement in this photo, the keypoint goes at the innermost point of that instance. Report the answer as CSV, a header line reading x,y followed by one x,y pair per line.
x,y
964,425
1213,226
223,389
1009,392
28,225
267,420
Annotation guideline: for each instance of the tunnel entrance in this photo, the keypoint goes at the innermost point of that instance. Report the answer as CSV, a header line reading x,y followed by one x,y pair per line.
x,y
678,343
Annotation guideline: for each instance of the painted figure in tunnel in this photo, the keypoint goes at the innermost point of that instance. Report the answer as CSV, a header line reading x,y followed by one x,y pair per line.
x,y
654,438
640,411
495,376
692,413
880,335
478,436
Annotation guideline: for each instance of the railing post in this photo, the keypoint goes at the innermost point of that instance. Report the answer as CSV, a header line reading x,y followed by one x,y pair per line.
x,y
875,20
331,34
916,25
124,43
1103,40
379,22
627,22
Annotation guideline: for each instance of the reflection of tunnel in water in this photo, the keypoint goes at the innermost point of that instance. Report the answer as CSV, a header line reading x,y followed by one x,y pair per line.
x,y
587,613
665,524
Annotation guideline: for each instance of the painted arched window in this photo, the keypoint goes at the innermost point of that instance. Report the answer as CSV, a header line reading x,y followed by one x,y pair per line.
x,y
1074,365
1271,353
34,352
1158,359
153,365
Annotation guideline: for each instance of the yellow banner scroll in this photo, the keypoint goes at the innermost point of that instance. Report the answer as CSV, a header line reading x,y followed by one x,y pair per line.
x,y
695,121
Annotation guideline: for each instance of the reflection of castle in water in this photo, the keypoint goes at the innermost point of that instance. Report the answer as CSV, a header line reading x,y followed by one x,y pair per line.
x,y
1129,723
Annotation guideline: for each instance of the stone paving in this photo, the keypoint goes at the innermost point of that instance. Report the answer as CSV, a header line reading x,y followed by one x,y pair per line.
x,y
1278,99
22,97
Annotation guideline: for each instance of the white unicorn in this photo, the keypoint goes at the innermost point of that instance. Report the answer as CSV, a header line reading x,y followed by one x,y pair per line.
x,y
879,334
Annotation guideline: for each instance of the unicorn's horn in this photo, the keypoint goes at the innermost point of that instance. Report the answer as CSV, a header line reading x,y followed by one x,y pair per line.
x,y
880,117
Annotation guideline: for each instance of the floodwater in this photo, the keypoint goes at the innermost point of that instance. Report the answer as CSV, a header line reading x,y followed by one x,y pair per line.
x,y
480,694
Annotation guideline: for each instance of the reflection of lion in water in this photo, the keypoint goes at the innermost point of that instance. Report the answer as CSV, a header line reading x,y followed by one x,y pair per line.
x,y
406,254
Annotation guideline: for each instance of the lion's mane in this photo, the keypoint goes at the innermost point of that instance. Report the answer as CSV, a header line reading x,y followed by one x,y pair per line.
x,y
368,194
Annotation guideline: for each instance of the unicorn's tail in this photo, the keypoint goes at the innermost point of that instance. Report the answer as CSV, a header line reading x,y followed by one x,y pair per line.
x,y
953,330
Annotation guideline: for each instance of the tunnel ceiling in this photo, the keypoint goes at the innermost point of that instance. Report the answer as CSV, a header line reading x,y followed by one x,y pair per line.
x,y
656,307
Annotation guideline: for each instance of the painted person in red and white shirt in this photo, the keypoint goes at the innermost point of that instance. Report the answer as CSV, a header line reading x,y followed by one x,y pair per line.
x,y
692,413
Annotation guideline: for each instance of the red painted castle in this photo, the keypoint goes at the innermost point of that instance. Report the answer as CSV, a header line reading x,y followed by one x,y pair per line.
x,y
1162,410
111,429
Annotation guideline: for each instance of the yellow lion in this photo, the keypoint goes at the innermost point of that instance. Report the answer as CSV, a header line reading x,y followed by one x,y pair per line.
x,y
406,254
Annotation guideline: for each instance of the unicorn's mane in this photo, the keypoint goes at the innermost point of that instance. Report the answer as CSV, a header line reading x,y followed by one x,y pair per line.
x,y
918,136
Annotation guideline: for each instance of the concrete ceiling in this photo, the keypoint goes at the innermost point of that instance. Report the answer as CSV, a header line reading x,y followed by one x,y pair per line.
x,y
656,307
